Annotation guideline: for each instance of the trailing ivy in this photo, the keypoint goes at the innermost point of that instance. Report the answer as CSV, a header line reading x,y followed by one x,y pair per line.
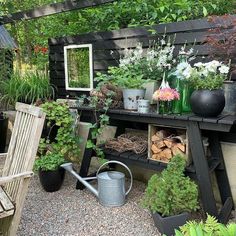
x,y
66,142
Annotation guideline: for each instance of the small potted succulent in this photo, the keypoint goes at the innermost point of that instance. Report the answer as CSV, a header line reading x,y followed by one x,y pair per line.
x,y
207,79
51,175
171,197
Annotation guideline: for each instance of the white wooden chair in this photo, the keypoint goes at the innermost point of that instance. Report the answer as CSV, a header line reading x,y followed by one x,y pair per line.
x,y
18,165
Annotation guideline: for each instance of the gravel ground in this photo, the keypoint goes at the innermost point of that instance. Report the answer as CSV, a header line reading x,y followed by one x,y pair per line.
x,y
74,212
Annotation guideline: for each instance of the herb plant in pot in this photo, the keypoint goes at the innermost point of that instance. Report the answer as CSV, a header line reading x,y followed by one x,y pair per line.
x,y
131,83
51,175
171,197
208,99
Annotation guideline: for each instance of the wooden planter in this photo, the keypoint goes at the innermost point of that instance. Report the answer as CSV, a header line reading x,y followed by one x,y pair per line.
x,y
166,142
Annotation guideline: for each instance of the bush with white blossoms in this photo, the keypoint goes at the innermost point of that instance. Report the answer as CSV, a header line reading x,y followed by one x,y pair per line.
x,y
152,64
136,67
209,75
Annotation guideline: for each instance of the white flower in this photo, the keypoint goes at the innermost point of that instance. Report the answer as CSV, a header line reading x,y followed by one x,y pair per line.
x,y
212,66
187,72
163,42
182,66
164,84
224,69
199,64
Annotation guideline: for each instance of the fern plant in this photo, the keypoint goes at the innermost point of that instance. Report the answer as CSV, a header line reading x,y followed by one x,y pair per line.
x,y
211,227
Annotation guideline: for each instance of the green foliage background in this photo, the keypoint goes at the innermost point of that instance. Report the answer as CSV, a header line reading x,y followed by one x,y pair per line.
x,y
120,14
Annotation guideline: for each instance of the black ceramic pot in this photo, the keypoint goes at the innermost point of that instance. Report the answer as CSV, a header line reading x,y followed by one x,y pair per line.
x,y
52,180
3,132
167,225
207,103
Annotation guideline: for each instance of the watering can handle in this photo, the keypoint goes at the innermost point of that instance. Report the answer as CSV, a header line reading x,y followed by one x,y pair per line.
x,y
126,167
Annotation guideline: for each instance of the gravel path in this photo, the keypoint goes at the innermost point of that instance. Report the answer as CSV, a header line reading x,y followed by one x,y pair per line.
x,y
74,212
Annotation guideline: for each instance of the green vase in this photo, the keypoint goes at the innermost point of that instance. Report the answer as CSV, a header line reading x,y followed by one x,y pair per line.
x,y
186,94
177,84
164,107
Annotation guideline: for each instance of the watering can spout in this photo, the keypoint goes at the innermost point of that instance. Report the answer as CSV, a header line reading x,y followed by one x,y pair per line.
x,y
69,168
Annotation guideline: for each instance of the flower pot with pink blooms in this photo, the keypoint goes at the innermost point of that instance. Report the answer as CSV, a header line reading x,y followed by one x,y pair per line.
x,y
165,97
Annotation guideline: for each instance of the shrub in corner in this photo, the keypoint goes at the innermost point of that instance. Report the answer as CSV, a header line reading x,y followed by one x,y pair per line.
x,y
172,193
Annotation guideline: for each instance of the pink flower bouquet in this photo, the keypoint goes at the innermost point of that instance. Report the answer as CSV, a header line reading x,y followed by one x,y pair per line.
x,y
166,94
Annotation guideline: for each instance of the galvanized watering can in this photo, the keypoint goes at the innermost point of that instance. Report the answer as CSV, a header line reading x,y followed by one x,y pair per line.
x,y
111,184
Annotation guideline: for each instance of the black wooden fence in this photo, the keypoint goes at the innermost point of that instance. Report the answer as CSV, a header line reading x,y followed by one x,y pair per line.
x,y
190,32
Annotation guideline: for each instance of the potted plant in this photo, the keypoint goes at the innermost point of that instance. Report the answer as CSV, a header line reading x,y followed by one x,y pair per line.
x,y
178,80
165,97
137,68
54,151
221,44
207,79
171,196
51,175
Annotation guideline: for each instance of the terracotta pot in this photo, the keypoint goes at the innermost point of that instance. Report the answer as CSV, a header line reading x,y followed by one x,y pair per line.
x,y
207,103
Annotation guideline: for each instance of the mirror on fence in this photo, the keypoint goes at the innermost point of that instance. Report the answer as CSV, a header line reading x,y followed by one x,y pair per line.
x,y
78,67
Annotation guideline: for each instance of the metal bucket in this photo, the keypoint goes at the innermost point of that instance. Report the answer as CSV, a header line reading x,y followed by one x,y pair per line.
x,y
131,97
143,106
111,186
230,97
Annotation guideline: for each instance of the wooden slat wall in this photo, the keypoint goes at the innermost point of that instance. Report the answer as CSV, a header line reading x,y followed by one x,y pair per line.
x,y
191,32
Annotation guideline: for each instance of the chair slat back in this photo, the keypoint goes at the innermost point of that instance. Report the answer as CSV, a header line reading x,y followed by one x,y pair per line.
x,y
23,145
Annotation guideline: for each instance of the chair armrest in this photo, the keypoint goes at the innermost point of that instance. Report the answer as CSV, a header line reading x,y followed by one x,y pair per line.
x,y
7,179
2,155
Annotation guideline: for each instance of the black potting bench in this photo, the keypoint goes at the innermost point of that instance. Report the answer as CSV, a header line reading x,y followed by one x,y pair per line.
x,y
214,128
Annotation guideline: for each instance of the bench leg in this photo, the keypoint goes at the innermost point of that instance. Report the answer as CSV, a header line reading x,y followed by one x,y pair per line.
x,y
202,170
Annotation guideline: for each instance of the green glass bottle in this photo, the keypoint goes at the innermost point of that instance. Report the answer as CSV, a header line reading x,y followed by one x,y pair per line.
x,y
186,94
177,84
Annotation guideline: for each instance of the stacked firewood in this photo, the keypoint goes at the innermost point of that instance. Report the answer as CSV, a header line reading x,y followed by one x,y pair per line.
x,y
165,145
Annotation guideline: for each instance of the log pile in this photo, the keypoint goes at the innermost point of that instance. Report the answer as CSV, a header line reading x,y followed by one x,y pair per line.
x,y
165,145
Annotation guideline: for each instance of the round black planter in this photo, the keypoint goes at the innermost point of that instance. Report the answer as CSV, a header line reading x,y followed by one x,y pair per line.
x,y
207,103
51,180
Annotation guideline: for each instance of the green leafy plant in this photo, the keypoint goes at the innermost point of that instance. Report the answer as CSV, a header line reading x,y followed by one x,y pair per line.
x,y
211,227
49,162
210,75
172,193
26,88
66,142
101,121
